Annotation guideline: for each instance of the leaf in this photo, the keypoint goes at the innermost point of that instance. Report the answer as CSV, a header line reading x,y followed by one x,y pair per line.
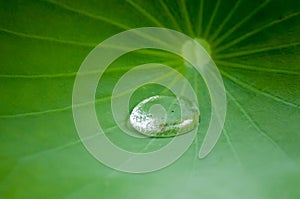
x,y
255,45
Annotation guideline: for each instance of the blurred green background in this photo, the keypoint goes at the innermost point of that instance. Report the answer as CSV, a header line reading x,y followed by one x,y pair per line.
x,y
255,45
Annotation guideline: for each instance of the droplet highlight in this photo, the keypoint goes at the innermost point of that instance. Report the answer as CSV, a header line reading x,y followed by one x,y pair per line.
x,y
164,116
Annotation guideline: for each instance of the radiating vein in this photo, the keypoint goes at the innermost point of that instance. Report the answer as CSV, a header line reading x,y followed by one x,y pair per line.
x,y
145,13
212,18
107,130
171,16
31,36
228,140
239,24
65,146
54,110
231,146
113,22
196,87
71,74
122,26
256,50
225,21
146,147
75,43
200,19
197,91
58,75
69,107
38,76
249,118
256,68
195,142
255,31
186,18
152,19
173,82
84,13
255,90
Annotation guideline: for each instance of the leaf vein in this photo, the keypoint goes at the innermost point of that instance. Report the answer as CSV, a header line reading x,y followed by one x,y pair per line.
x,y
87,14
257,91
38,37
255,31
257,50
145,13
239,24
255,68
249,118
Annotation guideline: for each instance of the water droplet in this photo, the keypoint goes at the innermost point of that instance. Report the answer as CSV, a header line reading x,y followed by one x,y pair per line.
x,y
164,116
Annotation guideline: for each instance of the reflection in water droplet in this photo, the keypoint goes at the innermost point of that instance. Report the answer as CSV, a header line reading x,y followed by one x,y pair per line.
x,y
164,116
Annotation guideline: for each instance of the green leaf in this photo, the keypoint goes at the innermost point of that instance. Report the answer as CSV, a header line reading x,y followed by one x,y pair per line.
x,y
255,45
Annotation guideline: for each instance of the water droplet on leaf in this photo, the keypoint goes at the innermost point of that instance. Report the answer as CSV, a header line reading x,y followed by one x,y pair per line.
x,y
164,116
